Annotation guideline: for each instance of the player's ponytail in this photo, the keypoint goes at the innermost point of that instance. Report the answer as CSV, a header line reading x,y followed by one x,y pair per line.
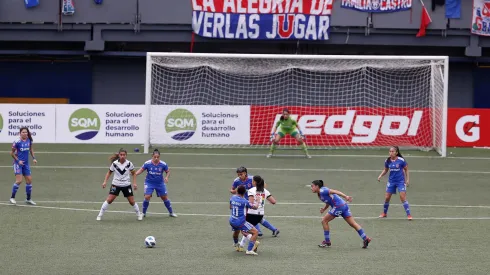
x,y
114,157
398,154
259,183
29,136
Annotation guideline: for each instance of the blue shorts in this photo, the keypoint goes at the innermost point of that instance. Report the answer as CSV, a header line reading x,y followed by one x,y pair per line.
x,y
160,189
391,187
245,227
342,211
24,170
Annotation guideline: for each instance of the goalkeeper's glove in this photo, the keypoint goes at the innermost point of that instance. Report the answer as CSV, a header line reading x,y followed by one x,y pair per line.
x,y
272,136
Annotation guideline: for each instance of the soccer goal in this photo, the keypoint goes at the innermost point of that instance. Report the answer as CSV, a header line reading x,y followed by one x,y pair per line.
x,y
354,102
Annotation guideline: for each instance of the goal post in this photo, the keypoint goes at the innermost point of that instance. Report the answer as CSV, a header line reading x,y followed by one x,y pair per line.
x,y
339,101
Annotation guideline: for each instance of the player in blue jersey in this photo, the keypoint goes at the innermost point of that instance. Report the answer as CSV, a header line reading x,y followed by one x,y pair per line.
x,y
398,179
21,148
238,205
156,182
340,207
247,180
243,178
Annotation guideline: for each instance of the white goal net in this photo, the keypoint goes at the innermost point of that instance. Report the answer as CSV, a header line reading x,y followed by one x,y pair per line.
x,y
234,100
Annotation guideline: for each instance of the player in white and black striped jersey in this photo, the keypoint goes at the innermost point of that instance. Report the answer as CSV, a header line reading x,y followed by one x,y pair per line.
x,y
257,196
121,182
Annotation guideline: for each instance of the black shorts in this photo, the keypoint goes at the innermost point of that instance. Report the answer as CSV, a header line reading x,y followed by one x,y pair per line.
x,y
126,190
254,219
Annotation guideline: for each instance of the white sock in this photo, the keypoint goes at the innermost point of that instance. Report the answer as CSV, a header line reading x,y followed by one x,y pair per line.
x,y
242,242
104,207
136,209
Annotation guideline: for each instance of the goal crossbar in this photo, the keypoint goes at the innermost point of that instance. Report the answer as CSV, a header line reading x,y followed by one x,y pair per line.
x,y
296,56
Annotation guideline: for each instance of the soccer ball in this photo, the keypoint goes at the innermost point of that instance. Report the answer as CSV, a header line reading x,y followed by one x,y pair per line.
x,y
150,242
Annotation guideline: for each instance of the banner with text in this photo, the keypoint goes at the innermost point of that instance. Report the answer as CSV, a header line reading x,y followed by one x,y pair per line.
x,y
40,119
468,127
347,126
378,6
111,124
194,124
481,17
265,19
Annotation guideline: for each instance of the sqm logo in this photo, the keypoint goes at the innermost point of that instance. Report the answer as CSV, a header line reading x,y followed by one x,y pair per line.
x,y
181,124
84,123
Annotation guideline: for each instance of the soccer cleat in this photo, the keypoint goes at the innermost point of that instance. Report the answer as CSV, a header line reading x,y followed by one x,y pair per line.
x,y
251,253
12,201
366,242
269,156
256,245
140,217
173,215
144,215
239,248
308,156
383,215
275,233
260,234
31,202
99,218
409,217
325,244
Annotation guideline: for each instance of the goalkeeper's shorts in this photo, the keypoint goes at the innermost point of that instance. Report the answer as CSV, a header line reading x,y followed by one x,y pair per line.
x,y
283,132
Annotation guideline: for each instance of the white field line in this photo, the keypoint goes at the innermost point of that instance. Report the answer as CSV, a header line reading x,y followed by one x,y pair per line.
x,y
262,168
279,203
260,155
219,215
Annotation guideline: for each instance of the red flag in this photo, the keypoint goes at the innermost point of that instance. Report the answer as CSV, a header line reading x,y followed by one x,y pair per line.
x,y
424,21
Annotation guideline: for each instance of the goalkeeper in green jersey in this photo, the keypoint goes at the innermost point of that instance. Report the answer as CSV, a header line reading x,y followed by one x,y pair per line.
x,y
287,126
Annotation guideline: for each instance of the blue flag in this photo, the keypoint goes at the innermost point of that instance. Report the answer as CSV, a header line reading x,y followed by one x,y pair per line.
x,y
31,3
453,9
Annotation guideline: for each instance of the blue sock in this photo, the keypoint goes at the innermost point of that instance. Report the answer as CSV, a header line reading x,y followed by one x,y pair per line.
x,y
258,227
267,225
326,233
235,240
407,207
168,205
385,207
250,245
362,234
15,187
28,191
145,205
